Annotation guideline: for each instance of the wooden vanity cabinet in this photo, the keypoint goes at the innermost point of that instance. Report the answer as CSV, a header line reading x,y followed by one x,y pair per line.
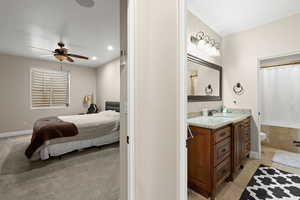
x,y
216,155
241,144
209,159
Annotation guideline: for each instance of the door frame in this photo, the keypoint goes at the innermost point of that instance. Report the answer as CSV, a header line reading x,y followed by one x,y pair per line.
x,y
259,106
183,102
259,91
131,5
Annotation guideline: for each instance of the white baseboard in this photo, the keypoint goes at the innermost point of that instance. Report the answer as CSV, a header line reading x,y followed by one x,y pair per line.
x,y
15,133
254,155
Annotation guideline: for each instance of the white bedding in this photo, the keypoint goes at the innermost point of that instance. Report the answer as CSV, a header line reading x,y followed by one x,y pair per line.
x,y
89,120
94,130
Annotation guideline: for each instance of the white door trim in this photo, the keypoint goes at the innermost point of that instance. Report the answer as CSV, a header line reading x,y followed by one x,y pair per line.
x,y
258,154
183,190
130,94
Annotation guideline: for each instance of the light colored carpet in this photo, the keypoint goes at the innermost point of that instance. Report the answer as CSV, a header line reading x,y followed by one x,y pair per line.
x,y
287,158
92,174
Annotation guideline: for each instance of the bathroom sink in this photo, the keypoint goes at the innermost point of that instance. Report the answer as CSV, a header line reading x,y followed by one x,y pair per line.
x,y
226,115
209,121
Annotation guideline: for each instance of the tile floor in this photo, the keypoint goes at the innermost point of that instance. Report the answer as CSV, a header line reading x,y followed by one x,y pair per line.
x,y
233,190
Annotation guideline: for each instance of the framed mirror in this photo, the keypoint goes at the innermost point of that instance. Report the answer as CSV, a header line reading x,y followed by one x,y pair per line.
x,y
204,80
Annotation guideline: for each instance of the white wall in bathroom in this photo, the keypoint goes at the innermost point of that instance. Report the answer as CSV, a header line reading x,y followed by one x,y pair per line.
x,y
194,25
240,61
198,106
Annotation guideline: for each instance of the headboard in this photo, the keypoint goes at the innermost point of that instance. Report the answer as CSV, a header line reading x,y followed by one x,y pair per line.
x,y
112,105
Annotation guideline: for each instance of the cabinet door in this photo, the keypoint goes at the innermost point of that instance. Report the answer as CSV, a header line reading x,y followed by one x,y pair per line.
x,y
243,144
199,164
238,141
246,135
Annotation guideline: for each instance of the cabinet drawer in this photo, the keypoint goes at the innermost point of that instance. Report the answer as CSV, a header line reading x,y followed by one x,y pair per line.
x,y
222,134
246,123
222,171
222,150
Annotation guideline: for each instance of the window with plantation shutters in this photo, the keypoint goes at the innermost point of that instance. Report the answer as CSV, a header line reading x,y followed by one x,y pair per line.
x,y
49,88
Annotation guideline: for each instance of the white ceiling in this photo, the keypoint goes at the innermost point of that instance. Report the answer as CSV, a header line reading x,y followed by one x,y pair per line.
x,y
231,16
42,23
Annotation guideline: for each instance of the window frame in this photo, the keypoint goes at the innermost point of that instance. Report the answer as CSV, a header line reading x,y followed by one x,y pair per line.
x,y
49,107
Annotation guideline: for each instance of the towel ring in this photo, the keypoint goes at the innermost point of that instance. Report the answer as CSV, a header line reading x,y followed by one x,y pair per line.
x,y
238,89
209,90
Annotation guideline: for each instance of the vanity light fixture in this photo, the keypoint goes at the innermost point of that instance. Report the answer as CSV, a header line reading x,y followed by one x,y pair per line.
x,y
203,41
94,58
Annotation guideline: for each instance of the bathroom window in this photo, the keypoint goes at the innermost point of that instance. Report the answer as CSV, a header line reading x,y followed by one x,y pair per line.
x,y
49,89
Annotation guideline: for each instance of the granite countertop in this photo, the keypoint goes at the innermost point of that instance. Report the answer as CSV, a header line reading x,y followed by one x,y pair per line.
x,y
218,120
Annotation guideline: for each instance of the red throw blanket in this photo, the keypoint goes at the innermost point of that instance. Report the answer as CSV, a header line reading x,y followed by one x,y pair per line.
x,y
49,128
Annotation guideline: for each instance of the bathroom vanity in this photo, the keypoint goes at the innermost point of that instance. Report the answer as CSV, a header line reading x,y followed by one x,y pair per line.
x,y
218,145
217,149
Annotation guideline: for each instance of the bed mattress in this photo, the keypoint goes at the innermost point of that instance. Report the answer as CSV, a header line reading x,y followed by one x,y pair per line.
x,y
93,130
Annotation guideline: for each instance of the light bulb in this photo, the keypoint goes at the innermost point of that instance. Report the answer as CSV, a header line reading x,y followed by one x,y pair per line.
x,y
110,48
217,52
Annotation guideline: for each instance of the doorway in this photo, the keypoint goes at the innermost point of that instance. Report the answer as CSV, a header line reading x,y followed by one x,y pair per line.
x,y
278,107
65,57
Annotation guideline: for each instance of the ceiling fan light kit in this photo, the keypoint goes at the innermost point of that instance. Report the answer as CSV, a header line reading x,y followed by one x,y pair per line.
x,y
60,57
63,54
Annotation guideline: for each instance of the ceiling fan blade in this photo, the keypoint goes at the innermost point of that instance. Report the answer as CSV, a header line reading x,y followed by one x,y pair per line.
x,y
42,49
70,59
77,56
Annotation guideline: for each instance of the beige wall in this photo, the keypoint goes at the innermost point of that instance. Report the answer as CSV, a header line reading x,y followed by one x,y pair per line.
x,y
156,99
15,111
240,56
194,25
108,83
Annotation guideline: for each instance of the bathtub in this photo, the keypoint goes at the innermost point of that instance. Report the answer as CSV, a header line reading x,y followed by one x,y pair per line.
x,y
281,136
283,125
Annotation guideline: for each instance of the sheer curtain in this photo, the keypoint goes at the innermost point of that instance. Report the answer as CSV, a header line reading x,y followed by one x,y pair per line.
x,y
280,92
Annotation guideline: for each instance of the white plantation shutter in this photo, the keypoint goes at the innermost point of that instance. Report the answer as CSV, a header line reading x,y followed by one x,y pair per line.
x,y
49,88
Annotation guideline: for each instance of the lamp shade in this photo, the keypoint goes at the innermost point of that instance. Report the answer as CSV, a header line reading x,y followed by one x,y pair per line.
x,y
87,99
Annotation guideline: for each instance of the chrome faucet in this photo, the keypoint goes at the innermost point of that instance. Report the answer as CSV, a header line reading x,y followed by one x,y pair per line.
x,y
211,112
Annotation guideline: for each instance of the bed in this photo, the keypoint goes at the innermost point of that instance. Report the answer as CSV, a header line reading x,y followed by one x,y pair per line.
x,y
90,130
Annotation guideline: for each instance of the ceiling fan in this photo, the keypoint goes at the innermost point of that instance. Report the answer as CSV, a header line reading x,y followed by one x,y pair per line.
x,y
62,53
